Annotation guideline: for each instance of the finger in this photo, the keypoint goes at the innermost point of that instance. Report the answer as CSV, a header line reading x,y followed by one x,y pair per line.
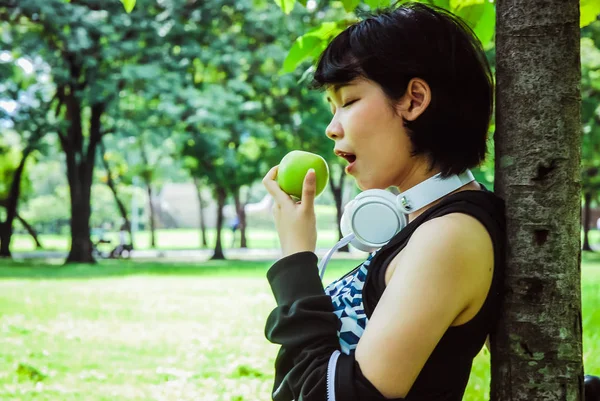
x,y
309,189
273,188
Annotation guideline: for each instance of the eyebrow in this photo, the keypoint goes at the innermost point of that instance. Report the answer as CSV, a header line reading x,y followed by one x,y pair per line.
x,y
337,87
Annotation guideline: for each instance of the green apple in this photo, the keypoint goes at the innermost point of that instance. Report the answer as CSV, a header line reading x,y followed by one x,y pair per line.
x,y
293,168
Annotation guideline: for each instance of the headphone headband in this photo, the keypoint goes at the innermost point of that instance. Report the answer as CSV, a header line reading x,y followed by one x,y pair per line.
x,y
430,190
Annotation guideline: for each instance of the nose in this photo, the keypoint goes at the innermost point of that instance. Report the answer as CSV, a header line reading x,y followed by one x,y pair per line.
x,y
334,130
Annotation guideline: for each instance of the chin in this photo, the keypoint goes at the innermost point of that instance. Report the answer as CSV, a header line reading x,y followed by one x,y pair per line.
x,y
364,186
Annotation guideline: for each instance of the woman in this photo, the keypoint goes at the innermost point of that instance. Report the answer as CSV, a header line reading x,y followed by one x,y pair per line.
x,y
411,94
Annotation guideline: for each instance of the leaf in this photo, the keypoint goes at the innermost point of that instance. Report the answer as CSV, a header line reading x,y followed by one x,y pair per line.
x,y
445,4
286,5
486,25
590,10
373,4
304,47
128,4
350,5
311,44
458,4
324,31
469,10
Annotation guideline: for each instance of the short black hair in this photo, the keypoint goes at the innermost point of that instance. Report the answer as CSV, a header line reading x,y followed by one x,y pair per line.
x,y
391,46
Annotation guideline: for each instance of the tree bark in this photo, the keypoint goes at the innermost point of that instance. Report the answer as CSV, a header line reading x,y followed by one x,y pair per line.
x,y
537,345
240,209
587,200
147,177
80,168
113,188
338,191
221,196
203,244
6,230
31,231
151,218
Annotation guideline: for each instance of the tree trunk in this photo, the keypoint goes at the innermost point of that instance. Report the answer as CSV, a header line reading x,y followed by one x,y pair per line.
x,y
537,345
31,231
338,191
11,205
152,221
244,223
221,197
240,209
147,177
587,200
113,188
80,169
204,244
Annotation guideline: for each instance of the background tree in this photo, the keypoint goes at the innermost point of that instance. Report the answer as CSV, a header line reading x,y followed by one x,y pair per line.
x,y
29,123
86,43
590,118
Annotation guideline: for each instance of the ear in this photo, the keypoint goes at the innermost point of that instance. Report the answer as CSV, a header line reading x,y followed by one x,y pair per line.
x,y
415,100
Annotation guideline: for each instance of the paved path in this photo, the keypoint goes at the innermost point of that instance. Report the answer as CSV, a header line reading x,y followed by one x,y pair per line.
x,y
196,254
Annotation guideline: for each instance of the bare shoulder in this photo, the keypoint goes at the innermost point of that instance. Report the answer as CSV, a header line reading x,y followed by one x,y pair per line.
x,y
453,233
456,244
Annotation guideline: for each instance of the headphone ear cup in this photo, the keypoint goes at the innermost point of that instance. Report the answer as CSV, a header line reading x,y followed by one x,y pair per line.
x,y
374,219
346,228
345,225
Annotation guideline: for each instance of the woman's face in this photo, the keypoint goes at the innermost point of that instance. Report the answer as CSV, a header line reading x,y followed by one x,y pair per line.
x,y
368,134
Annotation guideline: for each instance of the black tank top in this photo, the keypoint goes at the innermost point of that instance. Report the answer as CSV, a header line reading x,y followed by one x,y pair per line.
x,y
446,373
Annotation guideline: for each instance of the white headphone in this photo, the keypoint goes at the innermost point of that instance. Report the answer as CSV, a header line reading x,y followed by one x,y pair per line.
x,y
375,216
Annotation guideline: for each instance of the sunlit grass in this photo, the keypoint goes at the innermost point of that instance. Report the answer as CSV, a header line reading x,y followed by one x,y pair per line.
x,y
165,331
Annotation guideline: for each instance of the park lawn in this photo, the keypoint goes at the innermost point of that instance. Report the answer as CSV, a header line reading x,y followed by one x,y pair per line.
x,y
166,331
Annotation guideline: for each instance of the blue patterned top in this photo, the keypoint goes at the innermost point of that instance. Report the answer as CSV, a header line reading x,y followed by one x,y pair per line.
x,y
347,298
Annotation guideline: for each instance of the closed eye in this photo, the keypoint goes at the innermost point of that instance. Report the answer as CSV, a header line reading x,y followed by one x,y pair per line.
x,y
349,103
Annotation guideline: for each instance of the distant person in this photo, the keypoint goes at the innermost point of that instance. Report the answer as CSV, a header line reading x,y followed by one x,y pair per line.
x,y
123,248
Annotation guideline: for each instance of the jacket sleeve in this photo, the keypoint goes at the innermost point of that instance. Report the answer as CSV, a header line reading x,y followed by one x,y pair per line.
x,y
309,365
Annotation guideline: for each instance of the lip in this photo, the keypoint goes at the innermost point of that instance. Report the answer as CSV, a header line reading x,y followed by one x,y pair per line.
x,y
349,167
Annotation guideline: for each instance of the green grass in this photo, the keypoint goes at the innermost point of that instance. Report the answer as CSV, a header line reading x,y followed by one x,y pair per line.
x,y
165,331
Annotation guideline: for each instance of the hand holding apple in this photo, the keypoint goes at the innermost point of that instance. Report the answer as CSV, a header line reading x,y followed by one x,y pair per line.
x,y
293,168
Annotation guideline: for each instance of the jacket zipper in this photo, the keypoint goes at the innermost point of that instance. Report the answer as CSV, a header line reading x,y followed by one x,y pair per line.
x,y
331,375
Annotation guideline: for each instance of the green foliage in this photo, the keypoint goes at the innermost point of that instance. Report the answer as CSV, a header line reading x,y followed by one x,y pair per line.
x,y
9,159
350,5
590,10
128,4
590,111
286,5
311,44
373,4
480,15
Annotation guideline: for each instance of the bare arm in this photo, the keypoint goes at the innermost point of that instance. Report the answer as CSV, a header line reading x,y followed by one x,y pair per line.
x,y
443,269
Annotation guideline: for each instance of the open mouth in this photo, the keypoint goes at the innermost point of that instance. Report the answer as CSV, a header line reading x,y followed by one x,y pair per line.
x,y
348,156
